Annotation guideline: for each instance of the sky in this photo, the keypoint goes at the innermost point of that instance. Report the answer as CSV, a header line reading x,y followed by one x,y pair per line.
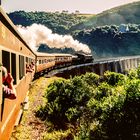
x,y
84,6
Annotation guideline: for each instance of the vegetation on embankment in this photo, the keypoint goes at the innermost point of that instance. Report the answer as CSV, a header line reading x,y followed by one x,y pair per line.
x,y
93,107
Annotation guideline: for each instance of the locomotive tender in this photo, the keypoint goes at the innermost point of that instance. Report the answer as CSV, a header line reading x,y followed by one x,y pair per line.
x,y
15,54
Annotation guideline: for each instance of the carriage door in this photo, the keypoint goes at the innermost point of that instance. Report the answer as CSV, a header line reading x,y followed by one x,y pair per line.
x,y
0,83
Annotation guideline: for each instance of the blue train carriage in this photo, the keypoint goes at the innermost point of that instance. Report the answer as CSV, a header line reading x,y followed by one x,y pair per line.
x,y
15,54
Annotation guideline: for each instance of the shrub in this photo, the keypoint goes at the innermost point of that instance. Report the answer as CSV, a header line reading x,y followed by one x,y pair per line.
x,y
102,91
108,110
113,78
66,98
120,115
132,74
91,79
138,71
58,135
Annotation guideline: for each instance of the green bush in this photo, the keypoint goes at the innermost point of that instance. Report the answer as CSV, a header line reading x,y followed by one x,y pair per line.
x,y
91,79
66,98
113,78
132,74
138,72
106,110
120,118
58,135
103,90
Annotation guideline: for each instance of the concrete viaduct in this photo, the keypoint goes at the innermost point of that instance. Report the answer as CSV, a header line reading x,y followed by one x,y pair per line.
x,y
118,64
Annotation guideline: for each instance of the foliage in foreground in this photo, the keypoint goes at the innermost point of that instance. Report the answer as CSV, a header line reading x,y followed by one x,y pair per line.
x,y
106,108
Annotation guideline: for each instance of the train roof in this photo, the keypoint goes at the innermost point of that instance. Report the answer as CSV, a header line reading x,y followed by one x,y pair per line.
x,y
52,54
61,54
43,54
7,21
83,54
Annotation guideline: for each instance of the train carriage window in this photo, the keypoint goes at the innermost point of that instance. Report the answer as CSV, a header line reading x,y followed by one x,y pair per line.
x,y
27,59
31,61
45,61
13,67
6,60
21,66
0,84
39,61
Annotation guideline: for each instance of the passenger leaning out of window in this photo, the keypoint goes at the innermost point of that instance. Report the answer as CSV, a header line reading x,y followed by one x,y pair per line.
x,y
32,65
8,87
28,68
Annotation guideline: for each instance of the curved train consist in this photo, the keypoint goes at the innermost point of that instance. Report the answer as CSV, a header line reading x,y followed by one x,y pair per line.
x,y
16,56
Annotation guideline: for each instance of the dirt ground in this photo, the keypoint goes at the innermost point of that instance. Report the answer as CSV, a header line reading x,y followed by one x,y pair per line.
x,y
30,127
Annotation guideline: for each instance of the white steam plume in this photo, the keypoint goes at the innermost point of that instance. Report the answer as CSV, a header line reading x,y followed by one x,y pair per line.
x,y
37,34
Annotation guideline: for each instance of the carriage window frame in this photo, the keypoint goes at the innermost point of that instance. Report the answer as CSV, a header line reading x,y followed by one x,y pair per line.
x,y
27,60
1,93
21,67
6,56
13,67
39,61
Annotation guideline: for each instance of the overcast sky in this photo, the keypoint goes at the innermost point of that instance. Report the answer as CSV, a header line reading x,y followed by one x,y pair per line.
x,y
84,6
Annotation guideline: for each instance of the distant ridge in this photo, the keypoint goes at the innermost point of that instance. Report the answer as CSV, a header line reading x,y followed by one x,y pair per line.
x,y
67,23
129,13
102,32
58,22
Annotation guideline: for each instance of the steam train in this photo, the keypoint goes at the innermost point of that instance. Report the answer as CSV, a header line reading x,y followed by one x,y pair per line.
x,y
15,54
46,62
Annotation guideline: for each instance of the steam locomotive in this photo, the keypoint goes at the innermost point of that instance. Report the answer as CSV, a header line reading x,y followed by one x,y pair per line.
x,y
15,55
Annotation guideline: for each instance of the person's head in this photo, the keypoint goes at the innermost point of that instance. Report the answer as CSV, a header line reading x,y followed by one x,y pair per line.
x,y
4,74
32,63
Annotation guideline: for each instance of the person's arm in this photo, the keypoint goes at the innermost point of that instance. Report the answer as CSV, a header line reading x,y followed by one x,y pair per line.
x,y
8,93
28,69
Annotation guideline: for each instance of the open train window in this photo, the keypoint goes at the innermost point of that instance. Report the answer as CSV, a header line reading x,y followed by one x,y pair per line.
x,y
39,61
6,60
21,66
27,60
0,84
13,67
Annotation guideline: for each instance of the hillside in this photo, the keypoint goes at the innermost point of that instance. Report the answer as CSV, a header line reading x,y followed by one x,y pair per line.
x,y
57,22
125,14
101,32
109,41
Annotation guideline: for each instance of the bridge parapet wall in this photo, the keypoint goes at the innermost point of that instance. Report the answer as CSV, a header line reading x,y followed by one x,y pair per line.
x,y
120,65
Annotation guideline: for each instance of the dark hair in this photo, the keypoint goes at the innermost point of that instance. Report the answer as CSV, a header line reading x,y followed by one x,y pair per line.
x,y
4,71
